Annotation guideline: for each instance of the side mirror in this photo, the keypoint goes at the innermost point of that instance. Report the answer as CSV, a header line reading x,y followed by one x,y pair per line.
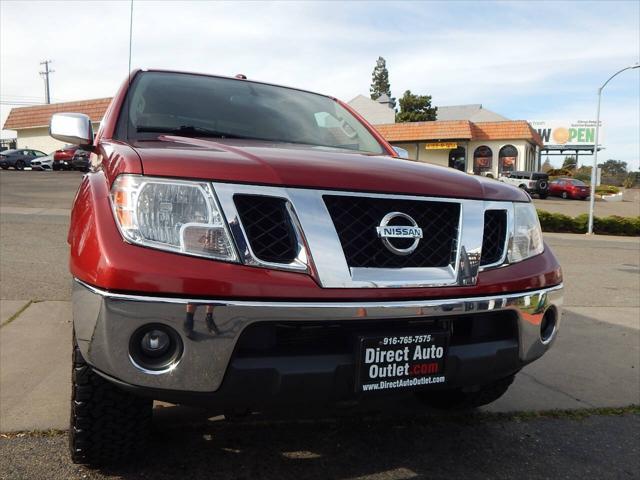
x,y
74,128
402,153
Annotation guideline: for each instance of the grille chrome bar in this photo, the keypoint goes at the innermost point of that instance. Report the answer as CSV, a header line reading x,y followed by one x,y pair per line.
x,y
226,193
318,240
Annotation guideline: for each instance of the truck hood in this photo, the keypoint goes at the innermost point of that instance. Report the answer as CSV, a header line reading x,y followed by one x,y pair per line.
x,y
288,165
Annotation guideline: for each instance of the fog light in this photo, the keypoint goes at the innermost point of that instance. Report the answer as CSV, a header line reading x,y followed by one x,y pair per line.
x,y
155,343
548,325
155,348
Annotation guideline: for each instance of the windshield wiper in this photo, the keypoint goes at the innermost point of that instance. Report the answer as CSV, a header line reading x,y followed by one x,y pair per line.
x,y
189,131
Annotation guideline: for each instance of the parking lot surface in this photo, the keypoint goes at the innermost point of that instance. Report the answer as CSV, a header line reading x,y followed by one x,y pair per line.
x,y
628,207
361,448
595,364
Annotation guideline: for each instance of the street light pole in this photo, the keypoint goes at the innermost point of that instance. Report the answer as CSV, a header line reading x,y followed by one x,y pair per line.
x,y
594,168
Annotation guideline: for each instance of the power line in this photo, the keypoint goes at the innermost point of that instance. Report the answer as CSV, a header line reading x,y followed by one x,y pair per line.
x,y
45,74
130,37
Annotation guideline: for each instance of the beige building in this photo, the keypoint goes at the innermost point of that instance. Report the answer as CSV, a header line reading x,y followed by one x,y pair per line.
x,y
473,112
376,112
467,137
32,123
482,148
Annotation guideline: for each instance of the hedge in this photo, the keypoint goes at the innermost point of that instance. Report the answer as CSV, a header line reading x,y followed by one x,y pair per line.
x,y
613,225
607,189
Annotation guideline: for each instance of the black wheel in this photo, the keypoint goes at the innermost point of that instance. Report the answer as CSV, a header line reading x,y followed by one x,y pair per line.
x,y
5,167
460,400
565,195
522,187
19,165
107,423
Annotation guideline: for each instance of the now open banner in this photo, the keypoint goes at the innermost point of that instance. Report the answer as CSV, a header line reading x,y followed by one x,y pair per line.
x,y
567,133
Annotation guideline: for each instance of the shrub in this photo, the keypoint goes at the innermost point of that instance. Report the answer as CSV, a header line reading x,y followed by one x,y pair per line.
x,y
560,172
631,180
585,177
613,225
607,189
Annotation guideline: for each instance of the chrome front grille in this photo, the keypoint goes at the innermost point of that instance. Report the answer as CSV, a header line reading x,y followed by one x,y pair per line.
x,y
356,219
332,235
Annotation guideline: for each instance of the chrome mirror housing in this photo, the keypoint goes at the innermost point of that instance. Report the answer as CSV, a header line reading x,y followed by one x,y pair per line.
x,y
402,153
73,128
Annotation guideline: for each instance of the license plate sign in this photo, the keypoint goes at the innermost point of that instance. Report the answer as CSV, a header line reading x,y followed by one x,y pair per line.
x,y
396,362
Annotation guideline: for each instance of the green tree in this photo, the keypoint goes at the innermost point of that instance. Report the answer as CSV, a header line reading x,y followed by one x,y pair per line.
x,y
416,108
570,162
613,167
583,173
380,82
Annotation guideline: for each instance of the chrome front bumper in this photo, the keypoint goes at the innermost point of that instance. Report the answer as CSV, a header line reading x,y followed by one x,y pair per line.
x,y
105,321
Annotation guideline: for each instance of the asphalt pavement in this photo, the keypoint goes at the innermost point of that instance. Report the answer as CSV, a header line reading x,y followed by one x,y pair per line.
x,y
599,446
628,207
595,364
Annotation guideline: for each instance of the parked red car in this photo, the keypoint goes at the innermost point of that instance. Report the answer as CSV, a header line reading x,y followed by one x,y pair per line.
x,y
569,188
238,244
62,158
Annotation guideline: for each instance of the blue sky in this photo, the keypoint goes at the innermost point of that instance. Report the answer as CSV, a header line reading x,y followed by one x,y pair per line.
x,y
525,60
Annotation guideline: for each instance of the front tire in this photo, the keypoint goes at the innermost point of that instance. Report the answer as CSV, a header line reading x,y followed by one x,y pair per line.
x,y
565,195
107,423
458,399
19,165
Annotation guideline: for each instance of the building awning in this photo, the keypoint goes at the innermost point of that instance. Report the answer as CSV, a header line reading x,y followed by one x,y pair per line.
x,y
459,130
39,115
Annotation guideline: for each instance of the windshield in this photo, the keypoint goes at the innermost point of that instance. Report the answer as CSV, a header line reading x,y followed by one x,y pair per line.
x,y
202,106
578,183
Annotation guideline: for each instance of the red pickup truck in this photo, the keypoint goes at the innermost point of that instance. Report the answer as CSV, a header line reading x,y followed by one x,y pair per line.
x,y
238,244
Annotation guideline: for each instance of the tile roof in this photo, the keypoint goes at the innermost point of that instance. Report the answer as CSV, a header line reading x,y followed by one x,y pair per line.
x,y
437,130
459,130
39,115
511,130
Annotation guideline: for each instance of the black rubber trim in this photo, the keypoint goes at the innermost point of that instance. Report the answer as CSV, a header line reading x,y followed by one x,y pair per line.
x,y
325,379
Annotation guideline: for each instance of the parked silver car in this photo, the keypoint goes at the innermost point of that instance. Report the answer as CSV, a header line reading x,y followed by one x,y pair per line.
x,y
43,163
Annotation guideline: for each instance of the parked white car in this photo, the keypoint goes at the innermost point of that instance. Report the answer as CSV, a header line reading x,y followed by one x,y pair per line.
x,y
43,163
532,182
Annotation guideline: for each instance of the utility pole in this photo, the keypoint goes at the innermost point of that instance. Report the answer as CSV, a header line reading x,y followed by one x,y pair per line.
x,y
45,74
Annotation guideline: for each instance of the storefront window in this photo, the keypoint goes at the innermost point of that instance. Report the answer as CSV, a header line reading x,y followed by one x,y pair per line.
x,y
457,159
482,160
507,159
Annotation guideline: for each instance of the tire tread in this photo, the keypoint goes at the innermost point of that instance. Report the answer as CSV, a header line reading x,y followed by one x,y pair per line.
x,y
107,424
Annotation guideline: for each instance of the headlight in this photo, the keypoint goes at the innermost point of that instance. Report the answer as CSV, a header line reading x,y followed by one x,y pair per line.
x,y
174,215
527,234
